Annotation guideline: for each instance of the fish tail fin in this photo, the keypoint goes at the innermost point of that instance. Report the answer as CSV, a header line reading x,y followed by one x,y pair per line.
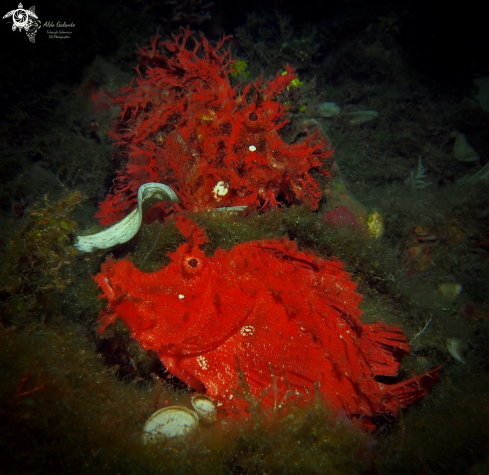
x,y
406,392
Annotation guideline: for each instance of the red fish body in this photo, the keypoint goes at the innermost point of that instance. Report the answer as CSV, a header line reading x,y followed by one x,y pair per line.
x,y
182,123
287,320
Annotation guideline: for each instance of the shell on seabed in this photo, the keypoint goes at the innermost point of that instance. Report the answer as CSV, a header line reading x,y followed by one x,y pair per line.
x,y
169,423
360,117
457,348
328,109
462,150
205,408
450,291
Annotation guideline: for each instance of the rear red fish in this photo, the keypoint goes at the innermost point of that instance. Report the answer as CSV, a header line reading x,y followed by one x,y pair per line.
x,y
286,319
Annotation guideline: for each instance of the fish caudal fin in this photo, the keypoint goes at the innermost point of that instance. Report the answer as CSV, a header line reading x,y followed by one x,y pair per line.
x,y
406,392
384,346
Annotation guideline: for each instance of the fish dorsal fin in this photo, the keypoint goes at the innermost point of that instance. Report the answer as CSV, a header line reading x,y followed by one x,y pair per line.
x,y
194,235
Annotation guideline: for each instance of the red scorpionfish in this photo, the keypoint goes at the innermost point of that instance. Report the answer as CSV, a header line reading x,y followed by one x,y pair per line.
x,y
284,322
183,124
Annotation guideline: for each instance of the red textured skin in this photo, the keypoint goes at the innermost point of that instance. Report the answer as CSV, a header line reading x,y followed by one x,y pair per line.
x,y
290,319
183,125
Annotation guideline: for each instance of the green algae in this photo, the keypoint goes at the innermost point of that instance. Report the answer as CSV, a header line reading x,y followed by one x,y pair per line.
x,y
38,259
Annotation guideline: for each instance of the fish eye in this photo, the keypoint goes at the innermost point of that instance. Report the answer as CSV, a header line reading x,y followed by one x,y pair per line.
x,y
253,117
192,265
193,262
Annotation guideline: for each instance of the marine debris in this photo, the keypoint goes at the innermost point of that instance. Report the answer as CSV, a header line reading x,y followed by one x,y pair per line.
x,y
127,228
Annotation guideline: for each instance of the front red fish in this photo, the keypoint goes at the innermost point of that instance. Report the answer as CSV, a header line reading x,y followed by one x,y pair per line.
x,y
289,318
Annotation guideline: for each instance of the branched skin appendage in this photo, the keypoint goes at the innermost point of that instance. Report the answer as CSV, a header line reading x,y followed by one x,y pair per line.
x,y
183,124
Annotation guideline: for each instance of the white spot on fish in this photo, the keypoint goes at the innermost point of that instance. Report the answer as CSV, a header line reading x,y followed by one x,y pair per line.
x,y
247,330
202,362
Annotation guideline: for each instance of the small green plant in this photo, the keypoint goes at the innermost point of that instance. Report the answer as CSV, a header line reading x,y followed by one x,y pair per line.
x,y
415,181
240,69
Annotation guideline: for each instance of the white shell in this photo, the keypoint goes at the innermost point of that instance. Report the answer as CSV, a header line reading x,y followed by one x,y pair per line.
x,y
168,423
205,408
457,348
328,109
462,150
360,117
450,291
